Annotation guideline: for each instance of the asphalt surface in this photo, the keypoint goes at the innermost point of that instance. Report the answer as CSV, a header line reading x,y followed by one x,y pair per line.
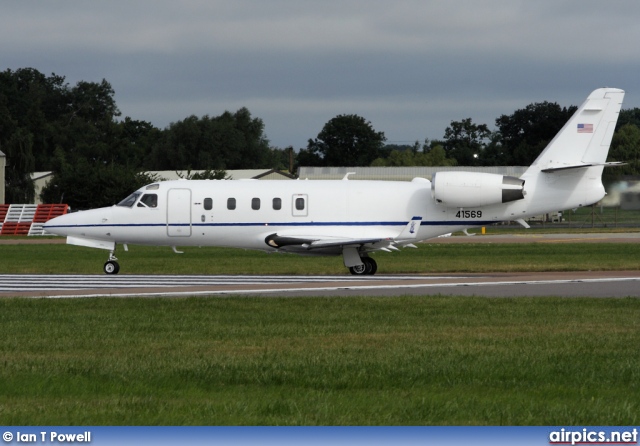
x,y
566,284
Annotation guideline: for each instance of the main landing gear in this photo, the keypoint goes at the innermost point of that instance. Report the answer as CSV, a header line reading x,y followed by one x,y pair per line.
x,y
111,266
368,267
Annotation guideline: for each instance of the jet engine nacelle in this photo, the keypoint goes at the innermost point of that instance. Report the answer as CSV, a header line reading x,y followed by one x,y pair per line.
x,y
472,189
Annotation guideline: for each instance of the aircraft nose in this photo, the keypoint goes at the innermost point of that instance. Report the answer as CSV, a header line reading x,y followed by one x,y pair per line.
x,y
61,225
78,223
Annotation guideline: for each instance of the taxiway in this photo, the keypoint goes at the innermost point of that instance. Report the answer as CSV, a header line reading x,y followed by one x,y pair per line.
x,y
565,284
561,284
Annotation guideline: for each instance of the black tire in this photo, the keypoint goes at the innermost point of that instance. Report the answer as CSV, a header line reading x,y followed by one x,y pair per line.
x,y
372,266
368,267
111,267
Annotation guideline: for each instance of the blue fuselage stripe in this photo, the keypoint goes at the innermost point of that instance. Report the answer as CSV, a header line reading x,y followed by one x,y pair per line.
x,y
279,224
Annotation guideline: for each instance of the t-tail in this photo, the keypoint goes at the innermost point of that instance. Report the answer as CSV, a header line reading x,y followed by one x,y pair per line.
x,y
568,172
566,175
585,139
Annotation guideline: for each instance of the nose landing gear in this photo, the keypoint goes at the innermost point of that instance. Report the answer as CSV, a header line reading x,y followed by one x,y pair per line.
x,y
111,266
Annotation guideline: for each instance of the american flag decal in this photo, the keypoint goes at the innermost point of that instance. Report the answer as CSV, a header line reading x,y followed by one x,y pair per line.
x,y
585,128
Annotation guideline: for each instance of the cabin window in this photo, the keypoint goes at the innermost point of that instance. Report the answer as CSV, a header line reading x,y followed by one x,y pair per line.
x,y
231,203
255,204
130,200
208,204
300,205
149,201
277,204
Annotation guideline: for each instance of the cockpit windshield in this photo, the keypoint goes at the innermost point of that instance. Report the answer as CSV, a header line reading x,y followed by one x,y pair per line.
x,y
149,201
130,200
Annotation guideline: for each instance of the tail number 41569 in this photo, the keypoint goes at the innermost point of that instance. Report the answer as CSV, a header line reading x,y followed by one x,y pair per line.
x,y
469,214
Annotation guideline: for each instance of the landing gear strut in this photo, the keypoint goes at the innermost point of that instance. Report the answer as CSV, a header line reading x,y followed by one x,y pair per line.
x,y
112,266
368,267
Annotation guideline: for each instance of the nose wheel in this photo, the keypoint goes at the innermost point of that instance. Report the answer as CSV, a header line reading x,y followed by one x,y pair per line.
x,y
111,266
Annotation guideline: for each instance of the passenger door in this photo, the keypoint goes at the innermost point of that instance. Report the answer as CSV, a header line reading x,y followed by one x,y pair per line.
x,y
179,213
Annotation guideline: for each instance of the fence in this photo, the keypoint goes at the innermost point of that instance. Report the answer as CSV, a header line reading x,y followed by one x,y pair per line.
x,y
588,217
28,219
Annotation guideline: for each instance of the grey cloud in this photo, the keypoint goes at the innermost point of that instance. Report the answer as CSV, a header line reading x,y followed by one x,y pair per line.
x,y
409,66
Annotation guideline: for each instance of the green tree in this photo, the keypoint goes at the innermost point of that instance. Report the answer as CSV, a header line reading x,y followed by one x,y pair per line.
x,y
494,153
34,103
88,130
416,155
229,141
18,149
396,158
437,156
281,159
526,132
629,116
346,140
84,184
309,157
625,147
204,175
465,141
30,105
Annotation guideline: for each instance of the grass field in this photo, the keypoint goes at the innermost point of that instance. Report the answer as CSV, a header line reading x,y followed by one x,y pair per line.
x,y
329,361
428,258
321,361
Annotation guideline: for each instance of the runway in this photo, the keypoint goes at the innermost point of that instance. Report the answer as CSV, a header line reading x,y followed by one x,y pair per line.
x,y
562,284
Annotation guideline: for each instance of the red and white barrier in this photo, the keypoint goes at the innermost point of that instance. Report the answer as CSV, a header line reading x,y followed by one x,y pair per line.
x,y
28,219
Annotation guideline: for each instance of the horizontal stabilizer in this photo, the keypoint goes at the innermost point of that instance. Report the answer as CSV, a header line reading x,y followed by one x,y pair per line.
x,y
582,166
585,139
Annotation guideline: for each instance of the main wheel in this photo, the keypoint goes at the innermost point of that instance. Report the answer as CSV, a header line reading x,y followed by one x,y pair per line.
x,y
372,266
368,267
111,267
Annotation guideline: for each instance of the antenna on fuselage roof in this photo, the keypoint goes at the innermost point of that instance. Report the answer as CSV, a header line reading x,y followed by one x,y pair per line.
x,y
346,176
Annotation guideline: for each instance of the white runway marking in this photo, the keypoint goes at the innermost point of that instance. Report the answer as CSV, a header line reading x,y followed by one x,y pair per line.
x,y
60,286
26,282
78,282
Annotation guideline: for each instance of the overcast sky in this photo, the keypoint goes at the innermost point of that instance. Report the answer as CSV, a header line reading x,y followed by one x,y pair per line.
x,y
410,67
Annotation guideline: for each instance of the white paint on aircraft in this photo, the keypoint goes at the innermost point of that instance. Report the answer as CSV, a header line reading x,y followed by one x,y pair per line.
x,y
354,218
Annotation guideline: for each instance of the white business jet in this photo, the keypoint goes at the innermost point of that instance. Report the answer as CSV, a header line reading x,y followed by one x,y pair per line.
x,y
354,218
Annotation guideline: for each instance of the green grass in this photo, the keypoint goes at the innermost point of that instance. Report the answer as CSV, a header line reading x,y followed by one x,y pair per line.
x,y
329,361
428,258
321,361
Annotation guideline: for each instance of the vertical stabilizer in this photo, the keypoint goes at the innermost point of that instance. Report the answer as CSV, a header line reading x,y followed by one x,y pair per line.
x,y
586,137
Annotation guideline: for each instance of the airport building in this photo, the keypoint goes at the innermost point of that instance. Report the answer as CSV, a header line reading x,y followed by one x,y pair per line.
x,y
397,173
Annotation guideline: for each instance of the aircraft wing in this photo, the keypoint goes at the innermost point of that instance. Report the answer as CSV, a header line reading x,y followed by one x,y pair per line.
x,y
311,243
320,243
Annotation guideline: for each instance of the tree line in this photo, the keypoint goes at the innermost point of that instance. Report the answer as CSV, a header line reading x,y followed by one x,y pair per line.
x,y
97,157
